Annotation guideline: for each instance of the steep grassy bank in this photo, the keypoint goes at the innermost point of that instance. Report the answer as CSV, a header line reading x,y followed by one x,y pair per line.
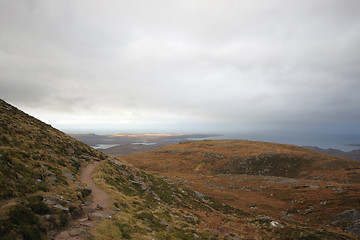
x,y
39,176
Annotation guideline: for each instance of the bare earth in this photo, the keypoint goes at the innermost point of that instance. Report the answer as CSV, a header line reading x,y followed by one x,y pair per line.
x,y
99,196
79,228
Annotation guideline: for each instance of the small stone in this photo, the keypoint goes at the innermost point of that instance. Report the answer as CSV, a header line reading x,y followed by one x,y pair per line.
x,y
165,224
276,224
58,206
87,224
309,210
83,219
199,195
19,176
102,215
49,202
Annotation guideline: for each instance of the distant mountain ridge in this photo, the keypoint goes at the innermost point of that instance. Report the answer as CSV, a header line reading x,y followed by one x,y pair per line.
x,y
354,154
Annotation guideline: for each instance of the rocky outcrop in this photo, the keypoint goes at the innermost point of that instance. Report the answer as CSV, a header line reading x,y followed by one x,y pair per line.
x,y
351,218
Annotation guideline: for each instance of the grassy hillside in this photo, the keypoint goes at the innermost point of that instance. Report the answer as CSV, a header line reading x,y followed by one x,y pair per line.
x,y
39,176
248,157
149,207
302,189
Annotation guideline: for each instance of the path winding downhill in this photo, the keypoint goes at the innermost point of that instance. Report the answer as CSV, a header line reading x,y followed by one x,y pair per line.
x,y
79,228
99,195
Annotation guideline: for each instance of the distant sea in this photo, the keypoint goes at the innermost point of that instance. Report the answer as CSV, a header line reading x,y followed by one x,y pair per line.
x,y
339,142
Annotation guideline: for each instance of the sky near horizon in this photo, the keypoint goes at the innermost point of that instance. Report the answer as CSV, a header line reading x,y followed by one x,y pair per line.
x,y
184,66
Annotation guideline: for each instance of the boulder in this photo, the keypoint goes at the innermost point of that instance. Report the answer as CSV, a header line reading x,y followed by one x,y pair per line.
x,y
348,216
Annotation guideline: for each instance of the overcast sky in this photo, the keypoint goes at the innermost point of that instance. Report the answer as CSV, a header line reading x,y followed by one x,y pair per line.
x,y
184,66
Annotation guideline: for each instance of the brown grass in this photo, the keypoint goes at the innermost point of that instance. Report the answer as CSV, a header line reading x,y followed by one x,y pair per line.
x,y
292,185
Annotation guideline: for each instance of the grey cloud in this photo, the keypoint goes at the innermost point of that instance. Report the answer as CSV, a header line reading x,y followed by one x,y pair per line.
x,y
236,64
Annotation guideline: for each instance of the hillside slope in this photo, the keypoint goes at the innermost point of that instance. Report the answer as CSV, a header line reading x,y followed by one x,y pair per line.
x,y
39,176
300,188
41,193
248,157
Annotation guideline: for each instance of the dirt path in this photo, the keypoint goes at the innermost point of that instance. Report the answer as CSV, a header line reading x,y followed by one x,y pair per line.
x,y
99,196
93,212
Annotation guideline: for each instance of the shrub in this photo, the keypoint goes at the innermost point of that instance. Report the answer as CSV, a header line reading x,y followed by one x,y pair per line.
x,y
26,223
37,206
63,217
19,215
